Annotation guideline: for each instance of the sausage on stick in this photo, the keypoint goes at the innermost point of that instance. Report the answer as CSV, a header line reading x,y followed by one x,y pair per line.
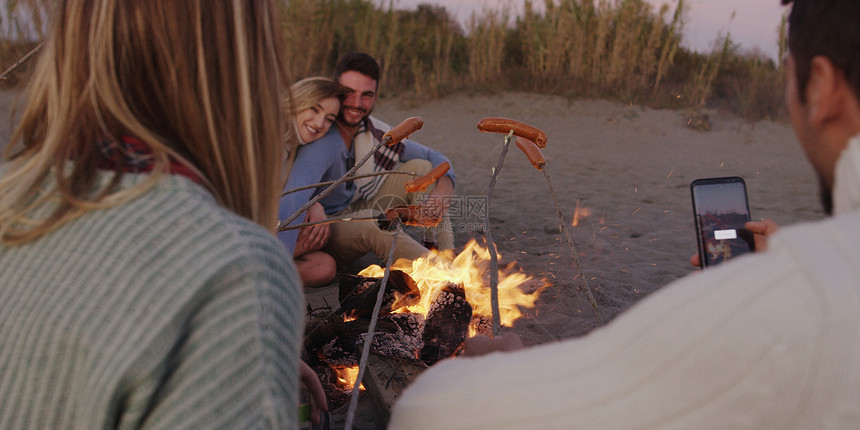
x,y
521,129
411,215
532,152
403,130
422,182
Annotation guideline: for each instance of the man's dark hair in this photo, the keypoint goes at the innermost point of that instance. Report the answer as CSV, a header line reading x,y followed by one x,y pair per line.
x,y
357,62
830,28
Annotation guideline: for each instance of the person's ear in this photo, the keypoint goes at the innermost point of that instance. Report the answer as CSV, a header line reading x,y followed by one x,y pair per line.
x,y
823,92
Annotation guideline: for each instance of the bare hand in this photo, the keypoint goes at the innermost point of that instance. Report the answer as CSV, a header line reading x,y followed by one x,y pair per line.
x,y
313,238
438,200
761,230
311,382
480,345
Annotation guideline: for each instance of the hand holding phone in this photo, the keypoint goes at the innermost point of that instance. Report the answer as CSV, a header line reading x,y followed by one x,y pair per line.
x,y
720,211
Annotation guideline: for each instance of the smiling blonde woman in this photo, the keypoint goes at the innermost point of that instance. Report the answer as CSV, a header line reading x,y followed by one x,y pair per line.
x,y
316,102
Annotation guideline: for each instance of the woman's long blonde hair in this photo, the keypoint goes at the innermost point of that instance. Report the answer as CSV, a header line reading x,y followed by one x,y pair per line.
x,y
310,91
198,81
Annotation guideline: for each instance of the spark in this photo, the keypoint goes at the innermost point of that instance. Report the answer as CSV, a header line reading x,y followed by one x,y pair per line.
x,y
670,173
637,210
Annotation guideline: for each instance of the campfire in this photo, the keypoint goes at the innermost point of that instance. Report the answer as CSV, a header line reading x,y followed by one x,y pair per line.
x,y
431,305
470,270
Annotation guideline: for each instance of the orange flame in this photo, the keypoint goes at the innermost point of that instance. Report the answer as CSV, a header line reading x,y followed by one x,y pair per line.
x,y
580,213
346,377
471,269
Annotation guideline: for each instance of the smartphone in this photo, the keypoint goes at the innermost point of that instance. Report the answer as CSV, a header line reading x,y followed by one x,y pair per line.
x,y
720,209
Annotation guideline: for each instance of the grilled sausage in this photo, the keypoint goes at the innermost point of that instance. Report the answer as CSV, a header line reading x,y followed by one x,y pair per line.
x,y
411,215
521,129
421,183
403,130
532,152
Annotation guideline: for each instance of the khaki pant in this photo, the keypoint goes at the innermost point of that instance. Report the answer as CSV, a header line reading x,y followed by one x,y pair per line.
x,y
351,240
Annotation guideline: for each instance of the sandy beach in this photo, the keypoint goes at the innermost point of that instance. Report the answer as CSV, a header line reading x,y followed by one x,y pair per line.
x,y
628,167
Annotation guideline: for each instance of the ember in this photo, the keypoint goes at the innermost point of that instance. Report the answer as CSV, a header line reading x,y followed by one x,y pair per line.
x,y
346,377
579,213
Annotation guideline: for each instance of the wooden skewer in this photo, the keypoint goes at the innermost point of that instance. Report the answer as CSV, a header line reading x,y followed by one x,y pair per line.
x,y
368,340
491,246
367,175
21,61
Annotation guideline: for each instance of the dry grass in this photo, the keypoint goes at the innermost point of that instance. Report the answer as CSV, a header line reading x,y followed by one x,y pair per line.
x,y
617,49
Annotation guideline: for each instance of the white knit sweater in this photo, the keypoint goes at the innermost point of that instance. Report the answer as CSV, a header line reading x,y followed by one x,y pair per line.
x,y
167,312
768,341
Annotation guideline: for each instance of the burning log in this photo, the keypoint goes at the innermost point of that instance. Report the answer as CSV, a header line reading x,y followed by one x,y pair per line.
x,y
333,340
357,294
404,342
447,324
338,343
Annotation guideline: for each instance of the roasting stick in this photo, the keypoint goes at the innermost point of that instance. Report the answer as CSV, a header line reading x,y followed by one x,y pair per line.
x,y
368,340
21,61
403,215
418,184
399,132
510,128
491,245
535,156
366,175
328,221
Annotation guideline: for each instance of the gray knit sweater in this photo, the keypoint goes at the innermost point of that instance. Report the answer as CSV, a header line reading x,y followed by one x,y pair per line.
x,y
167,312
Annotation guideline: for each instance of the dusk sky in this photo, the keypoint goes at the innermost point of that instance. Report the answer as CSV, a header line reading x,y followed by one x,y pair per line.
x,y
753,27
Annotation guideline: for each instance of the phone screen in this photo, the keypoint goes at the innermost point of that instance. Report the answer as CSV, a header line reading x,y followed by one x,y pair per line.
x,y
720,208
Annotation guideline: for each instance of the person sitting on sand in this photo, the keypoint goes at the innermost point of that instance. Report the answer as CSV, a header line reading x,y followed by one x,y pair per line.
x,y
315,105
141,285
767,340
331,156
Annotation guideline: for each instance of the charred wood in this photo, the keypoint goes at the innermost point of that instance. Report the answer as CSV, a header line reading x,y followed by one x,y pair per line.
x,y
357,294
447,324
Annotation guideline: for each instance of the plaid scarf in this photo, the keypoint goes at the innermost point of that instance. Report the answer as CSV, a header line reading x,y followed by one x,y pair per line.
x,y
130,155
369,134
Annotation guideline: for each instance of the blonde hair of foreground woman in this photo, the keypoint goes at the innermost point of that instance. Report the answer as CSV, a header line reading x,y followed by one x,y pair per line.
x,y
208,97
